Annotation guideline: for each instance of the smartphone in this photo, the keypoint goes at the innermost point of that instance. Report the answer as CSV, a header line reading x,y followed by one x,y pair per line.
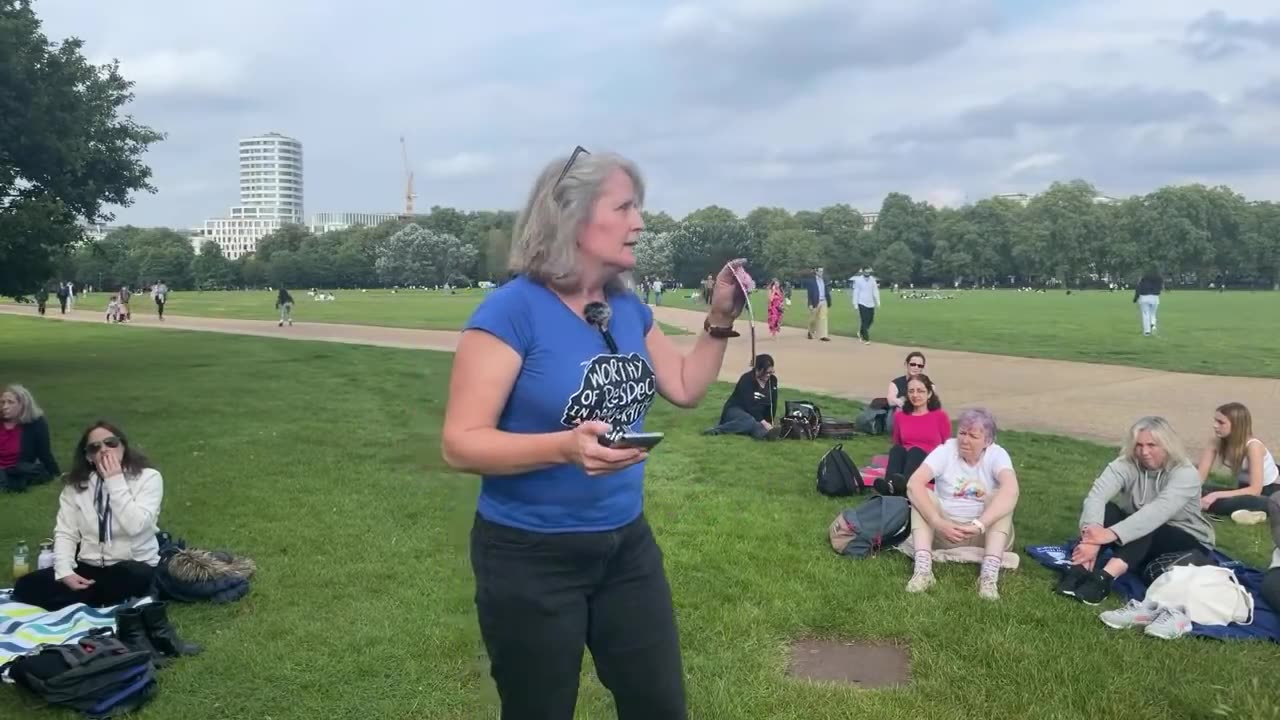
x,y
646,441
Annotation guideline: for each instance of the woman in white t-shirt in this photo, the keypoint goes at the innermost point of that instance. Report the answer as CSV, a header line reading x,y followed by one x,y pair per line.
x,y
1252,464
971,504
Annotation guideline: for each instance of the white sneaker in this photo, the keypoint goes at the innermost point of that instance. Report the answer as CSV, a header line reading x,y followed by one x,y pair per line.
x,y
1135,614
988,588
1249,517
1170,624
920,582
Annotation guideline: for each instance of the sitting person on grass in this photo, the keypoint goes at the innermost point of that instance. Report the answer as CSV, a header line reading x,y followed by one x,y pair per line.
x,y
105,549
1146,503
750,410
897,392
1250,461
26,457
918,429
972,503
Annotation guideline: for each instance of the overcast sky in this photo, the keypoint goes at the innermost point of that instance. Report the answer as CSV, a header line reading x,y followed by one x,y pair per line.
x,y
794,103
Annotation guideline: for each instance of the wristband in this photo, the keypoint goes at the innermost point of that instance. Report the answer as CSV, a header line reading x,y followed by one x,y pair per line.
x,y
978,522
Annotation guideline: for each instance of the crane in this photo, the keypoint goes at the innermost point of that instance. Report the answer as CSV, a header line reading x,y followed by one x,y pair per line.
x,y
408,186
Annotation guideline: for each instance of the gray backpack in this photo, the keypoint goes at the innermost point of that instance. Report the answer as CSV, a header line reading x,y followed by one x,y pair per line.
x,y
877,523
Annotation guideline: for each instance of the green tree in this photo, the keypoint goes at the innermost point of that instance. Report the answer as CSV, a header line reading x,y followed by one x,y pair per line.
x,y
65,150
702,248
710,215
653,256
896,263
417,256
211,268
788,254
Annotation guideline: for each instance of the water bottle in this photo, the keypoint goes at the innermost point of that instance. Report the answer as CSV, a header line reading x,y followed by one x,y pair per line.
x,y
21,560
45,560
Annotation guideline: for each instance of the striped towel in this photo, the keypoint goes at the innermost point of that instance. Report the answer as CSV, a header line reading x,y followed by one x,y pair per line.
x,y
24,628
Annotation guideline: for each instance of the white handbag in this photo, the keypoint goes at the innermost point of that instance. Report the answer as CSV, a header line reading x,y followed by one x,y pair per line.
x,y
1208,594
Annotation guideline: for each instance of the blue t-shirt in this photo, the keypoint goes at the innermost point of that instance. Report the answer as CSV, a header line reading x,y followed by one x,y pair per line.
x,y
568,375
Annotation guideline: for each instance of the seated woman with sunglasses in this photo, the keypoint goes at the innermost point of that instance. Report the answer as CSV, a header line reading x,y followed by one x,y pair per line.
x,y
558,359
919,427
897,392
750,410
109,508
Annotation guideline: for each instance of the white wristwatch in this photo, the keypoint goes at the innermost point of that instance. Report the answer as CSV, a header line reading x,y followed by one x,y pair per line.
x,y
978,522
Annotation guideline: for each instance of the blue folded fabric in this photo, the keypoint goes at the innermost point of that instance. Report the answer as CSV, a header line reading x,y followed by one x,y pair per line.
x,y
1265,625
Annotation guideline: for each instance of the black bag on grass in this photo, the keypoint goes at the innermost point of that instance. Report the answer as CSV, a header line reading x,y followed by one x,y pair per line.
x,y
872,421
98,675
838,476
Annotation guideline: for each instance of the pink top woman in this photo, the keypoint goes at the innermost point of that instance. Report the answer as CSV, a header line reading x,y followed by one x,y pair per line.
x,y
775,308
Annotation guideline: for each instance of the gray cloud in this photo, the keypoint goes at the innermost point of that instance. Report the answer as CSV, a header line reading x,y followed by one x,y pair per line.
x,y
1215,36
764,53
1064,107
799,103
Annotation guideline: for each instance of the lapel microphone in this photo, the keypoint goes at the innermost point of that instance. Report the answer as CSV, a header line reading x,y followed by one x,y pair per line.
x,y
598,314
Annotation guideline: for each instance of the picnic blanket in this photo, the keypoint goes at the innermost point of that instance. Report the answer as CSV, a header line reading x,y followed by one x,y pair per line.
x,y
1265,625
24,628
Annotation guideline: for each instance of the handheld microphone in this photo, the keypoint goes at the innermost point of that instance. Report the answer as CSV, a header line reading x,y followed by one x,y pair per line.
x,y
598,315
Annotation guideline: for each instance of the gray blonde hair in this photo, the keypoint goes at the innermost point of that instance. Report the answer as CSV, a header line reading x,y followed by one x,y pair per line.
x,y
1162,432
545,244
980,417
30,410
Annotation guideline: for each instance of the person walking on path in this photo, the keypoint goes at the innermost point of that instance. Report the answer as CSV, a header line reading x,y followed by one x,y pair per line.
x,y
42,299
775,308
160,292
284,303
62,293
866,297
819,303
1147,295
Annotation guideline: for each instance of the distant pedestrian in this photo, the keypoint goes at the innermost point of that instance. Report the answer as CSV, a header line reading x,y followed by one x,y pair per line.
x,y
819,292
63,295
124,303
284,303
1147,295
160,292
42,299
775,307
866,297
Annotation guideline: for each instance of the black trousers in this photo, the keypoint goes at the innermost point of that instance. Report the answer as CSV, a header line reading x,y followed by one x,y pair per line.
x,y
23,475
112,585
160,307
541,598
866,316
1226,506
1137,553
904,462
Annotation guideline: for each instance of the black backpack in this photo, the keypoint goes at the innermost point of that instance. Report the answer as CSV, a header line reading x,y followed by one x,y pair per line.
x,y
871,421
838,476
97,675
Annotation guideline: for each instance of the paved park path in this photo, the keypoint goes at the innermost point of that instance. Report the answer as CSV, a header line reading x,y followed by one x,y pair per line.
x,y
1083,400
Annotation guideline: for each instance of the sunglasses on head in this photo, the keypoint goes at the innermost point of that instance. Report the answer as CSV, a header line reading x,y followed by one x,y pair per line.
x,y
94,447
579,150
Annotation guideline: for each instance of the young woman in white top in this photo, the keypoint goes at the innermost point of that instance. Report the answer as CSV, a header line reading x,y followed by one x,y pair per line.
x,y
972,502
108,508
1234,446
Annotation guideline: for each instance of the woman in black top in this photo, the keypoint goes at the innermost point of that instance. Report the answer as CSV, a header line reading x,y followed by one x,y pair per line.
x,y
750,409
26,455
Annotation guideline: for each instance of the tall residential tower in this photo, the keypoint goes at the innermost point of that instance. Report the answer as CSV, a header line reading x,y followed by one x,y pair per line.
x,y
270,194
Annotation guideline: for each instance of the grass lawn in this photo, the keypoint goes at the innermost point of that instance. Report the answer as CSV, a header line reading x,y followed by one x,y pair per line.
x,y
1204,332
321,462
1231,333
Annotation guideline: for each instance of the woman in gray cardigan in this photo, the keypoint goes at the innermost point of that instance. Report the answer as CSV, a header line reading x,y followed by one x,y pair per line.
x,y
1146,503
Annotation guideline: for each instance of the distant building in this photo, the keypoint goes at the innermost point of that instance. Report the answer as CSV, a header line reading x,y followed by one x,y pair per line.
x,y
1020,198
96,232
869,219
328,222
271,192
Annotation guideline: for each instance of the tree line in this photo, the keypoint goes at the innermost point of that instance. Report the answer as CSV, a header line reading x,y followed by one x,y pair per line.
x,y
1194,235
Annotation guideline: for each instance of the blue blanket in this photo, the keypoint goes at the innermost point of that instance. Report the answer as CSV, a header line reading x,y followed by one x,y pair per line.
x,y
24,628
1265,625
